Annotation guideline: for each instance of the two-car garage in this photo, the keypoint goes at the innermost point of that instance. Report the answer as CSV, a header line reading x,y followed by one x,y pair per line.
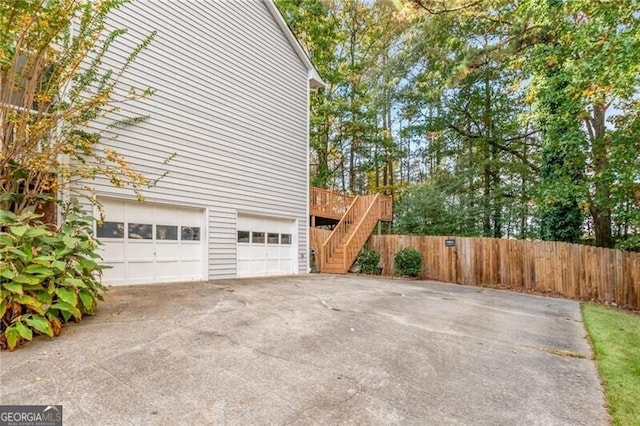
x,y
154,243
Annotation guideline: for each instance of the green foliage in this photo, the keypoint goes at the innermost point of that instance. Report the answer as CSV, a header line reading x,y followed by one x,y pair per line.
x,y
368,261
408,261
47,277
630,243
427,209
348,41
55,84
564,142
624,178
561,221
615,337
583,59
562,177
529,109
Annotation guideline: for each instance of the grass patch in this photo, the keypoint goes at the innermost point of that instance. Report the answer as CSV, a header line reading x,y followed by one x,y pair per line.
x,y
615,337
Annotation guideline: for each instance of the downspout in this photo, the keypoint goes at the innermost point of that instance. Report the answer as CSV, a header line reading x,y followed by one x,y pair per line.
x,y
308,132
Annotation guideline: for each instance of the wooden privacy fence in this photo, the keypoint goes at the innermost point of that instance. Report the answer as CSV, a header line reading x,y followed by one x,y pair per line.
x,y
572,270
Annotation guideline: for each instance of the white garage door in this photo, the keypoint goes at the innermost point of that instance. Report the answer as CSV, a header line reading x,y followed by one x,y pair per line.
x,y
150,243
265,246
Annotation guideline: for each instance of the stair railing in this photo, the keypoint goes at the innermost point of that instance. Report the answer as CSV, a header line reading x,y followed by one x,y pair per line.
x,y
351,216
361,231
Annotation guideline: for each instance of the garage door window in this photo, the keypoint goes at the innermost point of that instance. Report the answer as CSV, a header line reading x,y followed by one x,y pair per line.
x,y
285,239
273,238
244,236
140,231
257,237
110,230
167,232
190,233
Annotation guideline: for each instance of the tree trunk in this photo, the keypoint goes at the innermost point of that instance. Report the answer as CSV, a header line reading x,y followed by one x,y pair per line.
x,y
486,156
600,206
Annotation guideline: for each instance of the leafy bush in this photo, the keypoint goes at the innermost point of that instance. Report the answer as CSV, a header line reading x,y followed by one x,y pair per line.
x,y
429,209
368,261
408,261
629,243
47,277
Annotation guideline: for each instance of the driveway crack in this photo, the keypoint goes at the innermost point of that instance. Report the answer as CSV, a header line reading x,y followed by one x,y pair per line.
x,y
344,310
325,405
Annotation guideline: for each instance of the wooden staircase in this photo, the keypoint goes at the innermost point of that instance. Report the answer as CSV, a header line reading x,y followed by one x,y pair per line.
x,y
349,236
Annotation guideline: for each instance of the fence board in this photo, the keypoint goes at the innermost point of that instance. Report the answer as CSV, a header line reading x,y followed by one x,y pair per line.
x,y
317,237
572,270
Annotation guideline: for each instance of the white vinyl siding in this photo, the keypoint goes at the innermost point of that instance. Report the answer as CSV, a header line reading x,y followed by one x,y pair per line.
x,y
231,101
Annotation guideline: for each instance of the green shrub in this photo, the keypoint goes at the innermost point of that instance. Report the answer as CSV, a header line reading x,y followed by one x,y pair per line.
x,y
368,261
47,276
408,261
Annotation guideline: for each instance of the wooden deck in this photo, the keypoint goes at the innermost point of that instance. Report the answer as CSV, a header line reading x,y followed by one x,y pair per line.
x,y
324,203
352,220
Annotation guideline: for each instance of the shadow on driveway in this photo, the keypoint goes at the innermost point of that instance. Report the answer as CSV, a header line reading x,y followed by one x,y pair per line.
x,y
314,349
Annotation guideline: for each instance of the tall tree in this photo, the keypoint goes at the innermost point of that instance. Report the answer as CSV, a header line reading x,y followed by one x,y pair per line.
x,y
586,60
349,42
525,110
588,52
563,162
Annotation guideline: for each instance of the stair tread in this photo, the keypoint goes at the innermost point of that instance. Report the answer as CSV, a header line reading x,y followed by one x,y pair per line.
x,y
359,236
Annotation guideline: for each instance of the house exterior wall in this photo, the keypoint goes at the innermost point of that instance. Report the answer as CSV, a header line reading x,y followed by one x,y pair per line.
x,y
231,101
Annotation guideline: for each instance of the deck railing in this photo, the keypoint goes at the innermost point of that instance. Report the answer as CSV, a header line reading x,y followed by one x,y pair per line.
x,y
333,204
357,216
327,203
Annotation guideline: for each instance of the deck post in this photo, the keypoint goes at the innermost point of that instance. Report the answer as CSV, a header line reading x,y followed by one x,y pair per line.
x,y
379,227
313,221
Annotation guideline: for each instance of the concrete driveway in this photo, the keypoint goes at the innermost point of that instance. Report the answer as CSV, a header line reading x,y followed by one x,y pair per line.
x,y
315,349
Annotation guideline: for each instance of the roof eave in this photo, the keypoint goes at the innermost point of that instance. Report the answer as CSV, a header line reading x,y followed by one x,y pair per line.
x,y
315,81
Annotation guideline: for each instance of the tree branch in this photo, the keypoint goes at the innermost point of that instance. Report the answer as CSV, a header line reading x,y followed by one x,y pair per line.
x,y
424,5
498,145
